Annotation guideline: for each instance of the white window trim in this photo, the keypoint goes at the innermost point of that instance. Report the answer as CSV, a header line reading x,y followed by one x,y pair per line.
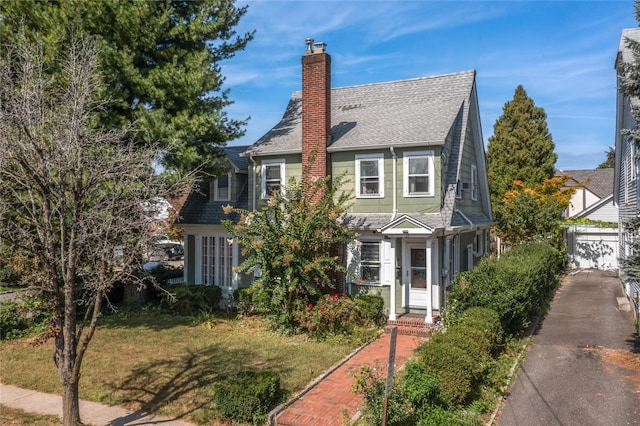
x,y
380,158
474,182
405,162
263,179
216,194
359,269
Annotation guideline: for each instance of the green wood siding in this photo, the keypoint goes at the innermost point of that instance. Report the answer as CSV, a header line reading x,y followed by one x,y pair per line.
x,y
293,169
345,163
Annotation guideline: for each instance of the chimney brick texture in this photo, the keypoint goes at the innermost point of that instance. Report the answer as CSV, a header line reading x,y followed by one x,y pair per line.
x,y
316,114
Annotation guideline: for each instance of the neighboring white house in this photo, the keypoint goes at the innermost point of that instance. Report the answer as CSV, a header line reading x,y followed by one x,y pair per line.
x,y
588,245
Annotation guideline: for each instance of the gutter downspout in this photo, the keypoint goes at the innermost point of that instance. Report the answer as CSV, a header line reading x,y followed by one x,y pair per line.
x,y
392,291
253,195
463,216
395,189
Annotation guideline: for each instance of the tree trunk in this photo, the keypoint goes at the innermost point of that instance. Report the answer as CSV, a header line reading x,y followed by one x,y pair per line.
x,y
70,404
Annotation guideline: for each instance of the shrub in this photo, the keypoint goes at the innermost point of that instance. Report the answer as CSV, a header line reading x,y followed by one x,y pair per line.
x,y
12,322
454,370
420,386
242,301
17,318
371,384
484,319
517,285
8,276
471,340
437,416
331,315
191,300
371,309
248,396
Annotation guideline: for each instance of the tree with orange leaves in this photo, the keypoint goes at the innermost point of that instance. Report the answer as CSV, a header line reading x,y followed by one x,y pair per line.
x,y
533,213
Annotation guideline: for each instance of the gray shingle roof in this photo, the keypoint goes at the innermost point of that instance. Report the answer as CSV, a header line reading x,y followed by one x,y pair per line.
x,y
598,181
418,111
199,210
233,154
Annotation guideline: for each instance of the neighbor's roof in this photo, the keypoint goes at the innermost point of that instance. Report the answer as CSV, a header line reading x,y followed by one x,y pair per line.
x,y
598,181
418,111
625,54
233,154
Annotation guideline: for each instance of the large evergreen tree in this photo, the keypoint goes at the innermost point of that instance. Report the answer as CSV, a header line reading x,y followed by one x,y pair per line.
x,y
521,147
160,62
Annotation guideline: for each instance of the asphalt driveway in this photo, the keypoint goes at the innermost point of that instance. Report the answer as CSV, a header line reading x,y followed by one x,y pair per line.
x,y
583,367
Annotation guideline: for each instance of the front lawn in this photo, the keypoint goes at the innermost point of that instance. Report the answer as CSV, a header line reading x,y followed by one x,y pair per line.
x,y
168,365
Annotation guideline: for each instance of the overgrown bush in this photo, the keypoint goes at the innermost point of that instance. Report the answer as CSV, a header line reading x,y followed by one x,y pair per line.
x,y
518,285
18,318
329,316
371,384
248,396
189,300
242,301
486,320
371,309
454,369
472,341
8,276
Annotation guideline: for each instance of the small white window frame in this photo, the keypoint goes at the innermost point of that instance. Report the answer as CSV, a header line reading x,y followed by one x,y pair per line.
x,y
369,157
263,176
360,262
474,182
430,173
216,192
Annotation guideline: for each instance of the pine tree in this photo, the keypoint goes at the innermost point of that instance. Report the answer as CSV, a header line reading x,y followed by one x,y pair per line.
x,y
521,147
160,61
610,162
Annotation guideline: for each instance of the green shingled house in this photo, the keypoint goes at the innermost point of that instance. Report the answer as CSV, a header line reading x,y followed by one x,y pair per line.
x,y
414,154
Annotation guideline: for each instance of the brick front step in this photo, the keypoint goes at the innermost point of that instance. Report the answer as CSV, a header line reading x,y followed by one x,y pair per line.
x,y
411,325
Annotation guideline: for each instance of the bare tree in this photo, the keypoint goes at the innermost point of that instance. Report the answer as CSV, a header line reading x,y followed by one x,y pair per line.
x,y
77,199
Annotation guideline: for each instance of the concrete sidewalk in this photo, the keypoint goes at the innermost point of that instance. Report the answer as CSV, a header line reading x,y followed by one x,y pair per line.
x,y
91,413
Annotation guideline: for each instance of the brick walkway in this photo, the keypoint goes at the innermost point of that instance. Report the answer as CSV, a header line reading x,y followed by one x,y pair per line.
x,y
331,401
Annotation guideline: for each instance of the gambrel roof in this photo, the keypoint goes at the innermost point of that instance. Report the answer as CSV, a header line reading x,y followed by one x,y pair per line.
x,y
405,113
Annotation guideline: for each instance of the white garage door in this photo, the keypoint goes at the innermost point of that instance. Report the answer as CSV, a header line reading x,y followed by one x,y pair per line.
x,y
593,248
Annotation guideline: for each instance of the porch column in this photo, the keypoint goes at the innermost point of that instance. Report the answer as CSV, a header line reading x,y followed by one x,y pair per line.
x,y
429,318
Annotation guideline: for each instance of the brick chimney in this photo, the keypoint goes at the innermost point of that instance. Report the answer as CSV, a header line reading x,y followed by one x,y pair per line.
x,y
316,110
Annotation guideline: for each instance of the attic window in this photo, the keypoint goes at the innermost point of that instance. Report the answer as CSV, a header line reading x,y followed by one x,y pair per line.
x,y
222,187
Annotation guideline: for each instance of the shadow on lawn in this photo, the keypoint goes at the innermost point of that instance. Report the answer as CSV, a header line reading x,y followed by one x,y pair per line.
x,y
189,377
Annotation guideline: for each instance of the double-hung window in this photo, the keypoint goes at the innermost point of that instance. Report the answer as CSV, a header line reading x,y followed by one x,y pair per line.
x,y
370,176
222,187
418,174
370,261
272,177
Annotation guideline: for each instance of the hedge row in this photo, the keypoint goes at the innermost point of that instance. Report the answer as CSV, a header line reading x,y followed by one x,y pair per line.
x,y
459,359
518,285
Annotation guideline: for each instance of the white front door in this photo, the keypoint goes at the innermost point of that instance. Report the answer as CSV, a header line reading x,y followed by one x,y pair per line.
x,y
416,275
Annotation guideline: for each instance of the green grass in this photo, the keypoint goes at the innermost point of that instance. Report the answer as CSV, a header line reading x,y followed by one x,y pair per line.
x,y
168,365
15,417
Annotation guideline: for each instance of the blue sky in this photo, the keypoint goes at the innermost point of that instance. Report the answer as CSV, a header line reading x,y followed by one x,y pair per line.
x,y
562,52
